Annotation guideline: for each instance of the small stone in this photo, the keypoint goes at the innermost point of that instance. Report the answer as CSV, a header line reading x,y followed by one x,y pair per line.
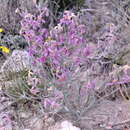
x,y
66,125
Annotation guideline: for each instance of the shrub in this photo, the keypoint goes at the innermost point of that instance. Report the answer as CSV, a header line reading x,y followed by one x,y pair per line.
x,y
61,50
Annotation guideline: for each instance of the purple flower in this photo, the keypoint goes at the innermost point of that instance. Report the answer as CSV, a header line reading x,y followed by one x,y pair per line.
x,y
39,39
43,59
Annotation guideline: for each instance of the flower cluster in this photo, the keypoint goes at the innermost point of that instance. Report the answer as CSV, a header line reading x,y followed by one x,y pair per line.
x,y
61,49
63,46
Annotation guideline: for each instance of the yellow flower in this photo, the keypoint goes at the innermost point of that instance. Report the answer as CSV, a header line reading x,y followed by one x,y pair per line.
x,y
1,30
48,39
4,49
